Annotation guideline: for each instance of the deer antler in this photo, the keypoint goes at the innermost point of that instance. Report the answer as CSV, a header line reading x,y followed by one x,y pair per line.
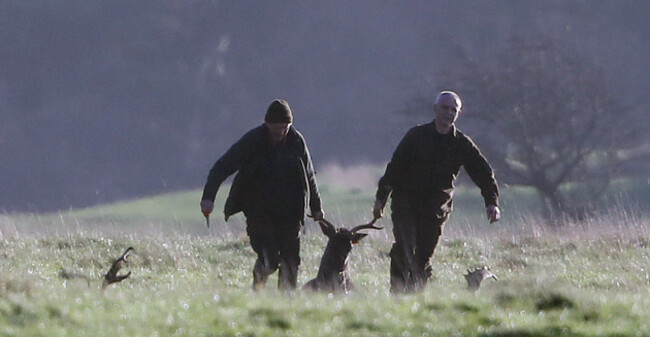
x,y
366,226
111,275
327,223
474,278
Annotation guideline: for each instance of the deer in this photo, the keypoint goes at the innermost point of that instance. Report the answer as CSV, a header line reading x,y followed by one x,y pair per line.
x,y
333,274
474,278
112,276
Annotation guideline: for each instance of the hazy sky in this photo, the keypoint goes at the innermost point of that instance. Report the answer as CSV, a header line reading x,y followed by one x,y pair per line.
x,y
102,100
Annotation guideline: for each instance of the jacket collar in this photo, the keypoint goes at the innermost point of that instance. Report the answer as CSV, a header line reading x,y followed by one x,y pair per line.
x,y
451,133
267,137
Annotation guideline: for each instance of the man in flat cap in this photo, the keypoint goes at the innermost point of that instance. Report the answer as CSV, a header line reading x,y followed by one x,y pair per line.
x,y
274,186
420,181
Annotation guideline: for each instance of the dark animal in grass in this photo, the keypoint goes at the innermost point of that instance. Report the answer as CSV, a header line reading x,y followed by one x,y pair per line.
x,y
333,274
474,278
112,276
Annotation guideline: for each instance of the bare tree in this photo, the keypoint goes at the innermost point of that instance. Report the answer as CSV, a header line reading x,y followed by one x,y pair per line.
x,y
545,118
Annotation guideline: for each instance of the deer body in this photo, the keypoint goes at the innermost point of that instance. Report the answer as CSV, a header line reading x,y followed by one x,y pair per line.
x,y
333,274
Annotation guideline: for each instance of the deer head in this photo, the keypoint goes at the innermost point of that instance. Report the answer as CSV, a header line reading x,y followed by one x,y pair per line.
x,y
341,239
332,273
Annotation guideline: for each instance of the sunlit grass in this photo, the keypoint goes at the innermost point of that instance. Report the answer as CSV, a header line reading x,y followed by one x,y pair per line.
x,y
200,285
588,278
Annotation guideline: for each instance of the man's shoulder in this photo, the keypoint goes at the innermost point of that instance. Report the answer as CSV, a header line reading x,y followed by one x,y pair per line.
x,y
420,129
255,132
460,134
463,138
295,135
425,127
250,139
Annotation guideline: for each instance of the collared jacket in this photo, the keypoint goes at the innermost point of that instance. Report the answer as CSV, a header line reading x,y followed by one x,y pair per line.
x,y
256,189
426,163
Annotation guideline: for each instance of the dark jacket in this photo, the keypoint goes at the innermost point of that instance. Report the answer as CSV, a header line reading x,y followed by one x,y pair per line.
x,y
426,164
256,159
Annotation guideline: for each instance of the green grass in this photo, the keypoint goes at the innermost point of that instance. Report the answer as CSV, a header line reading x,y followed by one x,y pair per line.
x,y
192,286
589,278
178,213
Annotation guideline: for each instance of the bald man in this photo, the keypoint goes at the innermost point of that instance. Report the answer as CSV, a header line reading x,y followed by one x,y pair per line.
x,y
420,181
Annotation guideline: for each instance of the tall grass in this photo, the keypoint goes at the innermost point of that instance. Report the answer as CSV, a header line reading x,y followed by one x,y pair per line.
x,y
587,278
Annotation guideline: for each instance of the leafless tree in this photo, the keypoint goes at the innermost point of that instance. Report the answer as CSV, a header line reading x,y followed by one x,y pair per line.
x,y
545,117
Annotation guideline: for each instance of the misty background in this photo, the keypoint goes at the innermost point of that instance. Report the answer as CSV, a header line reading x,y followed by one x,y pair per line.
x,y
103,100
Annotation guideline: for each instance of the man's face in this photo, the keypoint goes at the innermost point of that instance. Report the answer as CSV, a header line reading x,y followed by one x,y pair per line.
x,y
278,130
446,110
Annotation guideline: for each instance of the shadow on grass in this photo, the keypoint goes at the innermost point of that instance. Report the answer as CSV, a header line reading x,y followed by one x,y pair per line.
x,y
554,301
272,318
545,332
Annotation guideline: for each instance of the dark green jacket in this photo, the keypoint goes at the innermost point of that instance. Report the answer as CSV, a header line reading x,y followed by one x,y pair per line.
x,y
426,164
252,156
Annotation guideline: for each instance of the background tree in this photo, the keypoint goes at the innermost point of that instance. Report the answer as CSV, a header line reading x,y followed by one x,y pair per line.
x,y
545,118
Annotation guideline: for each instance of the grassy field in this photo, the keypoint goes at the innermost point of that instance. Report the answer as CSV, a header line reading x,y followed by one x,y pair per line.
x,y
589,278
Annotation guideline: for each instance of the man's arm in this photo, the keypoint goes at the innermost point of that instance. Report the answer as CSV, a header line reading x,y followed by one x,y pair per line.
x,y
398,164
479,170
228,164
315,205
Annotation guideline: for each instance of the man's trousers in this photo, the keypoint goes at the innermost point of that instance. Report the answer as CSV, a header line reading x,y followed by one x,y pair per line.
x,y
276,242
417,228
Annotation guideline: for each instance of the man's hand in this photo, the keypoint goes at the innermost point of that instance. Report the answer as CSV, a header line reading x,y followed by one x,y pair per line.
x,y
206,207
493,213
378,209
318,216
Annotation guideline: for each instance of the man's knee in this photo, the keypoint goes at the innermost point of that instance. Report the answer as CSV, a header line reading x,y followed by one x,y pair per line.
x,y
399,268
289,263
288,277
397,253
267,263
